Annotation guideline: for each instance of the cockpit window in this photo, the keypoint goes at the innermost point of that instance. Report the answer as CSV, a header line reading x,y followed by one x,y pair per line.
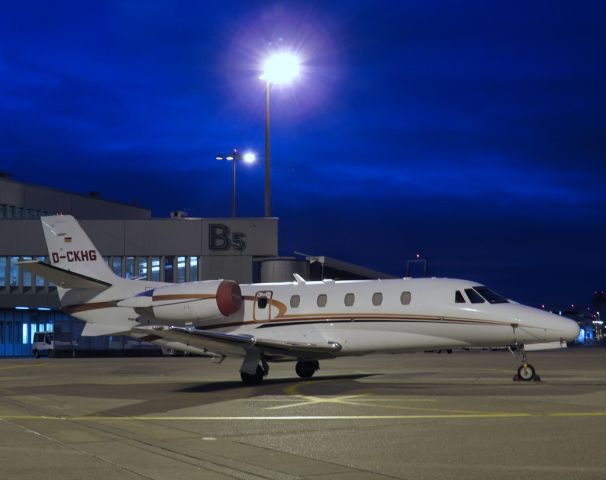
x,y
474,297
490,296
459,297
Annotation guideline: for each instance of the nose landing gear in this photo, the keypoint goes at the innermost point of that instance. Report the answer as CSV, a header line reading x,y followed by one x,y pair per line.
x,y
526,372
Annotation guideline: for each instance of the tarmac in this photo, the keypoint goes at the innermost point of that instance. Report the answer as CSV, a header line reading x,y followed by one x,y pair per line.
x,y
413,416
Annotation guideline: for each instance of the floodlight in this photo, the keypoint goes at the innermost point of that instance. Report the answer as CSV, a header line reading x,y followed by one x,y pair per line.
x,y
281,67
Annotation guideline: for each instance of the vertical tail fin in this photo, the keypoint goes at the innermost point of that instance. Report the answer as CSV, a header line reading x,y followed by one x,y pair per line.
x,y
70,248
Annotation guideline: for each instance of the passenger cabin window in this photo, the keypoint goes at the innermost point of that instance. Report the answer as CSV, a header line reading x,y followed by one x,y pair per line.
x,y
474,297
349,299
262,302
377,299
459,297
295,300
405,298
491,296
322,299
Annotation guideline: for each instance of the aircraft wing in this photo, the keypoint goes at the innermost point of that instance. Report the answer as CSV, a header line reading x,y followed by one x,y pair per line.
x,y
228,343
62,278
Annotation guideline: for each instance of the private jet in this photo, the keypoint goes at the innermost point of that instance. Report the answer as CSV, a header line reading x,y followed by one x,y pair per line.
x,y
300,321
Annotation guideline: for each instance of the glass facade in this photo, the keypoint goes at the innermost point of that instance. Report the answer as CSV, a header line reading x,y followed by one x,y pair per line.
x,y
165,269
11,211
19,324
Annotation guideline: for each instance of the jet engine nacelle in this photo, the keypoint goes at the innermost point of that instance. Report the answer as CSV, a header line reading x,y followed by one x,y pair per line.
x,y
190,302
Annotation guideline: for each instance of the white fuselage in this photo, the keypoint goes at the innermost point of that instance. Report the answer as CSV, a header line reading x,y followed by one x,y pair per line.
x,y
370,316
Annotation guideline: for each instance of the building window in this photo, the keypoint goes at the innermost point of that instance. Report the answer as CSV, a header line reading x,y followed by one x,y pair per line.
x,y
39,279
3,264
117,265
377,299
27,276
130,267
322,299
155,268
193,269
349,299
180,269
168,269
142,267
295,300
14,272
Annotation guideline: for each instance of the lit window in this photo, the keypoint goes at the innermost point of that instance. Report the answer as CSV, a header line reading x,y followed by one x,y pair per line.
x,y
142,268
193,269
322,299
130,267
14,271
155,267
295,300
117,265
377,299
180,269
3,264
405,298
349,299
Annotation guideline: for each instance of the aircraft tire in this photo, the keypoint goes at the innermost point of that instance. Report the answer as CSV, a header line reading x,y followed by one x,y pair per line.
x,y
252,379
306,368
526,373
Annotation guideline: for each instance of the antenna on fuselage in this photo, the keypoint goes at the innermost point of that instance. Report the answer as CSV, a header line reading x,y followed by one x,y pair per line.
x,y
299,279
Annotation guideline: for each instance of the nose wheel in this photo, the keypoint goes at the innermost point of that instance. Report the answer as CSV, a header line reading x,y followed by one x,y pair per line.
x,y
526,372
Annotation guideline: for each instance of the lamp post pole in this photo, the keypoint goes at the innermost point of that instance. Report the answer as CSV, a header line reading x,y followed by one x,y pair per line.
x,y
267,155
234,157
233,183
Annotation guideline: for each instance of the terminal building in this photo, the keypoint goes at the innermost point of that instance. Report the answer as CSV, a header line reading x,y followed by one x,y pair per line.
x,y
135,245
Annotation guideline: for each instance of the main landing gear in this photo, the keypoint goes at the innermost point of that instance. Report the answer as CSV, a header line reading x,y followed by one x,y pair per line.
x,y
260,369
526,372
306,368
257,377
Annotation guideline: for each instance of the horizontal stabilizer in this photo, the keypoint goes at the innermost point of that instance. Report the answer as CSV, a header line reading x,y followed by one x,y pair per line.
x,y
213,341
63,278
96,329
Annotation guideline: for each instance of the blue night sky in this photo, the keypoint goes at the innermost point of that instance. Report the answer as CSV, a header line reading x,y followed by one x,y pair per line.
x,y
472,132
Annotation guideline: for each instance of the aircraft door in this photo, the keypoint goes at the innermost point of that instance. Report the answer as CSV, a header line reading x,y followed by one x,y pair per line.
x,y
262,308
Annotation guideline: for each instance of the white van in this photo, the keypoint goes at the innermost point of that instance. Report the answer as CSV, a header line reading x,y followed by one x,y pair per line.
x,y
43,344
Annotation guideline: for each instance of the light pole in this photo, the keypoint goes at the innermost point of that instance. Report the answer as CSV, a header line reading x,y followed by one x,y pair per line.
x,y
234,157
280,68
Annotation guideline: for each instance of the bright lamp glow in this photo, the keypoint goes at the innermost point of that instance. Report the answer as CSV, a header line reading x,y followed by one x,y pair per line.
x,y
249,157
281,68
